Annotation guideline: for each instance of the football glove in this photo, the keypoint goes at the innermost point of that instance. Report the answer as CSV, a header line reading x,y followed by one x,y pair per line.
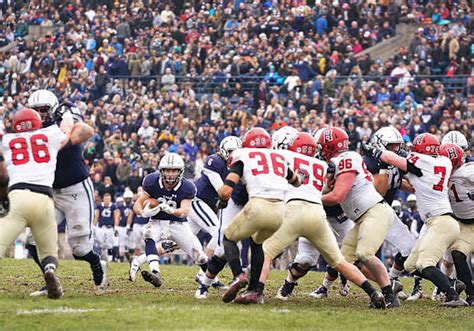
x,y
116,232
303,175
4,207
168,246
167,208
371,150
129,231
331,168
221,204
148,212
470,195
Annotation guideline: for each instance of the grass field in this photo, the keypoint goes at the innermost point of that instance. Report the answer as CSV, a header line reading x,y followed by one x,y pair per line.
x,y
139,306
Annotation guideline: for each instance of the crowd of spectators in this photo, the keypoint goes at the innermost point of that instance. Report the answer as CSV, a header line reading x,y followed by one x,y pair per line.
x,y
158,76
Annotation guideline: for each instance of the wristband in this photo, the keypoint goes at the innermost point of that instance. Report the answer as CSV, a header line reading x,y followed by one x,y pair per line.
x,y
229,183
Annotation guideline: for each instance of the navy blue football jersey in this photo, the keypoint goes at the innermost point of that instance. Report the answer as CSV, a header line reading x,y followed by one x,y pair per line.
x,y
70,167
106,214
395,175
205,191
124,212
155,189
240,195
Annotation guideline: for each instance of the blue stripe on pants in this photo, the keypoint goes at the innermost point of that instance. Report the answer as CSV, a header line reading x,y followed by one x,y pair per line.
x,y
202,209
196,211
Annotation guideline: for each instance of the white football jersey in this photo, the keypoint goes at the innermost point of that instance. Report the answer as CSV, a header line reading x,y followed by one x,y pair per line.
x,y
363,194
265,172
30,157
460,184
311,189
431,189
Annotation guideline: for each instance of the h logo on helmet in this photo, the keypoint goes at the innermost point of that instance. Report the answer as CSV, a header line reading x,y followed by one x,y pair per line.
x,y
328,135
451,153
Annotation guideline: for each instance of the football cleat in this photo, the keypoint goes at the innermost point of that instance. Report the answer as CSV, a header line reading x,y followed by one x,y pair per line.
x,y
52,283
40,293
102,287
134,268
396,285
458,285
436,295
249,297
392,301
470,300
285,290
201,292
402,295
455,303
237,284
416,294
153,278
97,273
168,246
218,285
319,293
377,300
344,289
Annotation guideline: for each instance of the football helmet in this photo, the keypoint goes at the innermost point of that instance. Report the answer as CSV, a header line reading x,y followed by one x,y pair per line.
x,y
26,119
257,138
397,206
284,137
332,141
457,138
44,102
454,153
426,143
304,144
388,138
228,145
171,161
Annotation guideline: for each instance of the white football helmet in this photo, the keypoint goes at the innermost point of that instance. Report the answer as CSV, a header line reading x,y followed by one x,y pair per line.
x,y
44,102
174,162
228,145
316,136
128,195
387,136
283,138
457,138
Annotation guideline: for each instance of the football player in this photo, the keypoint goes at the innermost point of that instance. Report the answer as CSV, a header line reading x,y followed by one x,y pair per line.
x,y
168,219
305,217
122,232
429,173
106,216
360,201
387,180
30,156
265,173
461,195
73,189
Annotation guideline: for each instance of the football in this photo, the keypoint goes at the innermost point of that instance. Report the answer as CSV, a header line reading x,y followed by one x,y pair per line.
x,y
152,202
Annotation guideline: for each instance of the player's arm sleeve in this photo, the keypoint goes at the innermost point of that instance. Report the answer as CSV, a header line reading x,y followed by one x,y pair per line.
x,y
214,178
238,168
411,168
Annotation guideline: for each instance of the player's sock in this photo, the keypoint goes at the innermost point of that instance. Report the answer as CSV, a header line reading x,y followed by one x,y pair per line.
x,y
259,287
152,255
34,255
110,254
232,256
332,273
215,265
440,280
343,280
387,290
256,263
367,287
417,282
141,259
327,283
207,281
463,272
49,262
91,257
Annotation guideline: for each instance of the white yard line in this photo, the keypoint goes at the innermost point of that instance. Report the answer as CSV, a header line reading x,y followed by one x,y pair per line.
x,y
60,310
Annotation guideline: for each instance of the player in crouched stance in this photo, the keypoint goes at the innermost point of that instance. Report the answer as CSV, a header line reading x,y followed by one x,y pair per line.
x,y
168,219
461,195
429,173
305,217
355,192
30,157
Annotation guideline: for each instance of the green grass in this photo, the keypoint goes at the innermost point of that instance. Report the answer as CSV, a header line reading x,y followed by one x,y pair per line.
x,y
139,306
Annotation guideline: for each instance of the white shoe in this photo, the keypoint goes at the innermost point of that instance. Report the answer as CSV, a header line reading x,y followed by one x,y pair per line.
x,y
319,293
402,295
436,295
415,295
40,293
55,291
134,268
344,289
201,292
102,287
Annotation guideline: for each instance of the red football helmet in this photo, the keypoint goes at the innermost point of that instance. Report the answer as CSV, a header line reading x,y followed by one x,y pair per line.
x,y
452,152
304,144
426,143
257,138
26,119
332,141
